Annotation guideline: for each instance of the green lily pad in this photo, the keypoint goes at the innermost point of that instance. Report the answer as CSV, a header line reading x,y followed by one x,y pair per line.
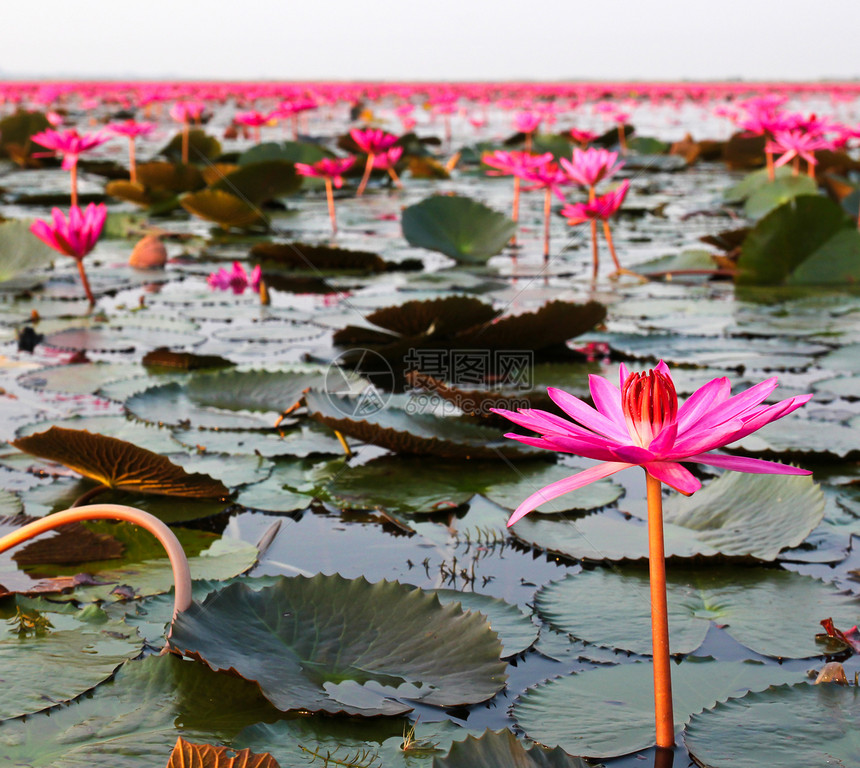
x,y
610,712
78,378
16,130
737,515
134,719
415,485
464,229
772,612
287,151
792,726
170,405
504,750
292,485
753,182
695,261
793,233
344,645
366,742
421,434
201,147
304,441
259,182
516,631
169,178
22,251
797,437
49,664
845,358
224,208
769,196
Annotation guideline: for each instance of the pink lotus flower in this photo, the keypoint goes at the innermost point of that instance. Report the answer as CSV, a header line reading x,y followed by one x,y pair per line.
x,y
187,111
132,129
70,144
513,163
385,161
527,122
75,236
602,207
372,140
235,279
641,424
794,145
591,166
327,168
582,137
252,118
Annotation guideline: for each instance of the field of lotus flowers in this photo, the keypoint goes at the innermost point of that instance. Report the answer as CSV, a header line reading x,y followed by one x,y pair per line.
x,y
415,424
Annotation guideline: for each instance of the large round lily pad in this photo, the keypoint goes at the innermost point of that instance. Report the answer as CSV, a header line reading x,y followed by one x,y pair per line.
x,y
792,726
22,250
50,655
609,712
134,719
463,229
772,612
329,644
737,515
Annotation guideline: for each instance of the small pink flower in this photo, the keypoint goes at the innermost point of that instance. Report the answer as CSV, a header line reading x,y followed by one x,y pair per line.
x,y
602,207
235,279
641,424
582,136
513,163
132,129
75,236
387,159
327,168
591,166
791,144
252,118
546,176
527,122
70,144
372,140
187,111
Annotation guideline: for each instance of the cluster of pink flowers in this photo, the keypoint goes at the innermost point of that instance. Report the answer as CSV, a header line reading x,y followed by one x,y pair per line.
x,y
235,279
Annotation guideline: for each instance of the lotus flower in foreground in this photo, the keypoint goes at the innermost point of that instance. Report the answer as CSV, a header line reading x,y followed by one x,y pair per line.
x,y
641,424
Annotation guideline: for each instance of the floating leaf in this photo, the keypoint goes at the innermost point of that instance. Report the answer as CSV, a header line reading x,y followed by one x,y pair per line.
x,y
118,464
22,251
265,391
790,235
459,227
769,196
772,612
15,133
172,178
287,151
504,750
737,515
224,208
610,712
304,257
257,183
792,726
133,719
162,357
422,434
201,147
208,756
344,645
51,655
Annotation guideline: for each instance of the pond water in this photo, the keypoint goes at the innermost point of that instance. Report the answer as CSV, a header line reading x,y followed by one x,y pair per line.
x,y
429,522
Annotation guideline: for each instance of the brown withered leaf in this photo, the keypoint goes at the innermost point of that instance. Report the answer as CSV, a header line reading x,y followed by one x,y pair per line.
x,y
301,256
119,464
71,544
188,755
741,152
162,357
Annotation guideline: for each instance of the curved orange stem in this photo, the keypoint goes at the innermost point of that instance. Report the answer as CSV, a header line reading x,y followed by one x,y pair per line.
x,y
364,179
547,211
86,282
608,233
73,172
659,617
132,162
178,561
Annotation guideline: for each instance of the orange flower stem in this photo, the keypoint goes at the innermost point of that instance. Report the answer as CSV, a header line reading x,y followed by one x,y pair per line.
x,y
515,211
795,166
73,174
810,170
594,254
622,140
178,561
528,147
659,617
132,162
368,167
608,233
86,282
547,210
329,195
185,130
771,170
395,178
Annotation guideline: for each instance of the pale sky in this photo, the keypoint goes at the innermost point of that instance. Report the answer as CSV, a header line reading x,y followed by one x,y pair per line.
x,y
433,40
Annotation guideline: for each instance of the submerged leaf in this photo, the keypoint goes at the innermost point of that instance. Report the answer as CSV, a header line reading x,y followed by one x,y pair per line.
x,y
503,750
224,208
